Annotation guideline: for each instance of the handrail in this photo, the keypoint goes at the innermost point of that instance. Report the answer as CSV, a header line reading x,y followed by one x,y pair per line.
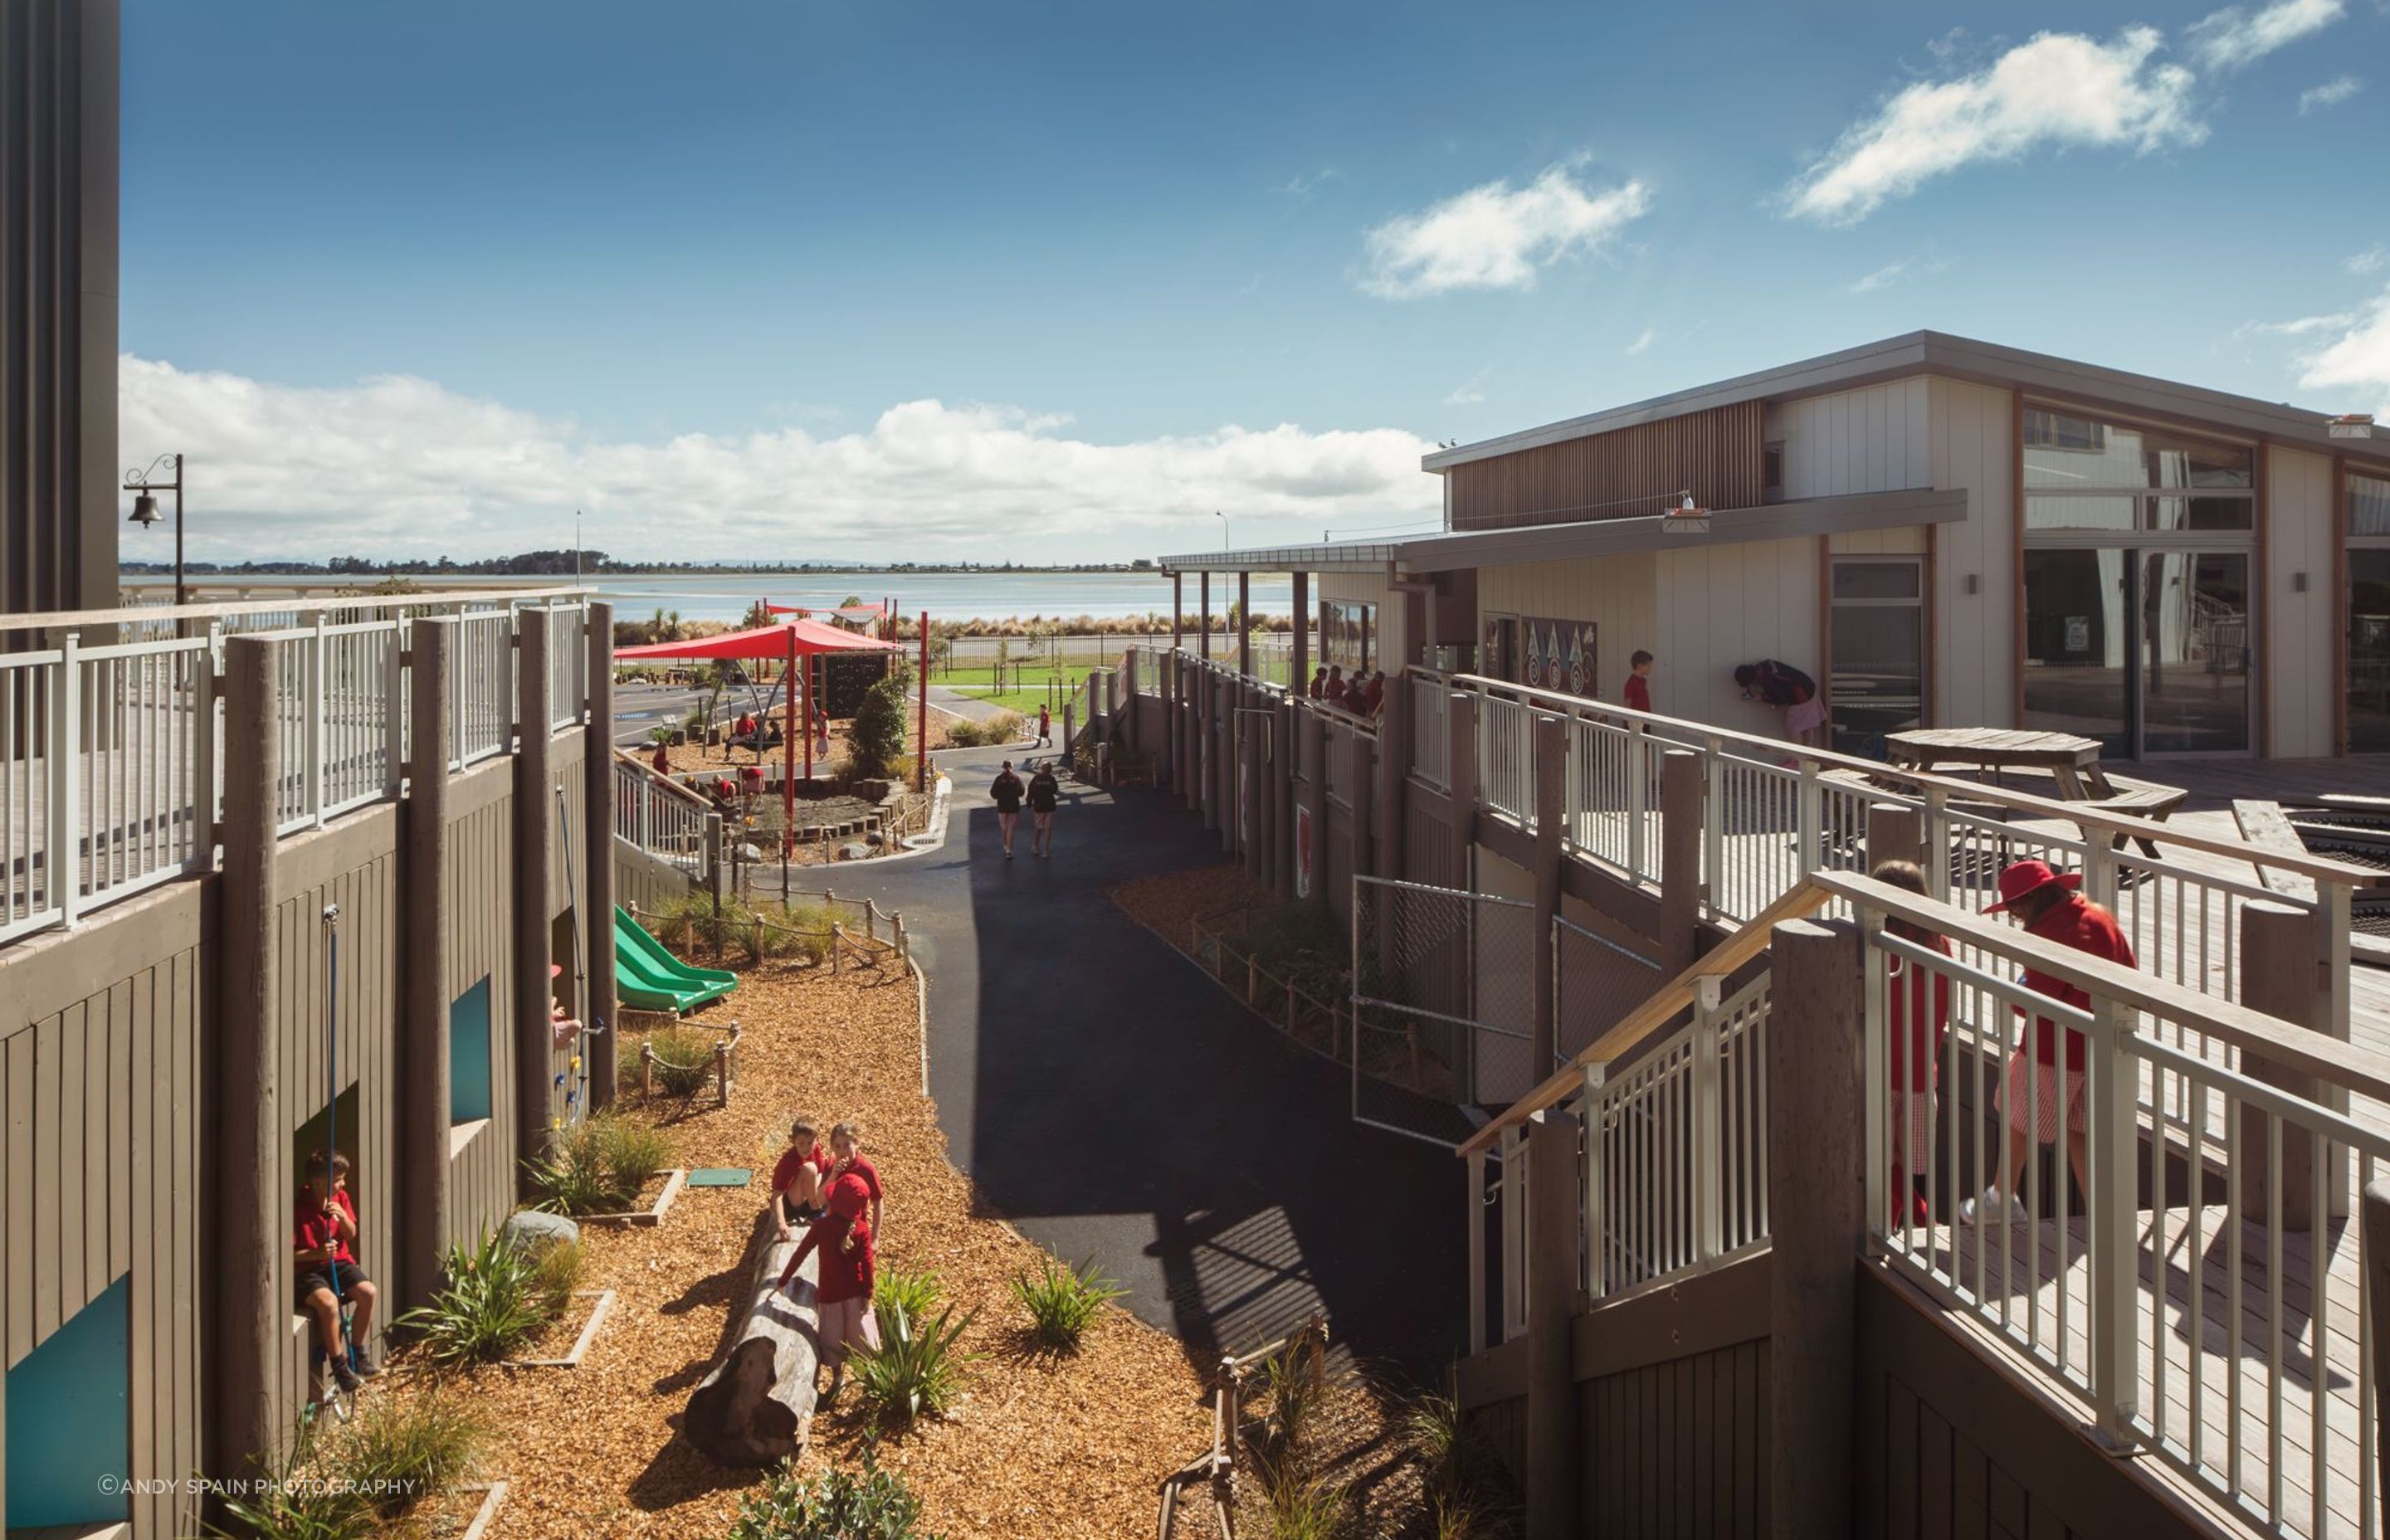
x,y
2306,1052
64,620
2078,814
666,783
1657,1010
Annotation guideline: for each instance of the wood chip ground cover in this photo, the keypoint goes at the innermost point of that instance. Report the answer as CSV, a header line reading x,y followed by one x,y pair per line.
x,y
1065,1447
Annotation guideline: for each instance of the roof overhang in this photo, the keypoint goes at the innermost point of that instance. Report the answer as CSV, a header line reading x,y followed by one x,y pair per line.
x,y
1533,543
1955,357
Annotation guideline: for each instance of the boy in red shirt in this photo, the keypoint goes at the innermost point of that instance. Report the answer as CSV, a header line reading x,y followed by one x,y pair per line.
x,y
2046,902
797,1179
1918,1022
1638,682
324,1236
842,1298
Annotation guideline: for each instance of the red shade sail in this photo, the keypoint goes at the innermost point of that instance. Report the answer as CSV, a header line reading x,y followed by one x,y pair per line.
x,y
806,638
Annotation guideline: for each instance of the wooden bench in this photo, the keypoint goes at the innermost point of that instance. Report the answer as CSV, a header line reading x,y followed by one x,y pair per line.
x,y
2262,824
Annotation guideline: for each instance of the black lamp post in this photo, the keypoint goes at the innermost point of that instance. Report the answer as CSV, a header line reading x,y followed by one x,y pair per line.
x,y
145,507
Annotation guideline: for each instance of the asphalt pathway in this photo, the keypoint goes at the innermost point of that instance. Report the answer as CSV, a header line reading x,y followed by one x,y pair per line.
x,y
1110,1099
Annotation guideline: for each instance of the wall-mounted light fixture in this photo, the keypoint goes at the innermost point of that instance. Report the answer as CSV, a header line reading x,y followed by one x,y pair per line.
x,y
1971,584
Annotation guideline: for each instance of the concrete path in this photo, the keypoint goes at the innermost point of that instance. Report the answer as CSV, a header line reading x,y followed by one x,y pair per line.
x,y
968,707
1110,1099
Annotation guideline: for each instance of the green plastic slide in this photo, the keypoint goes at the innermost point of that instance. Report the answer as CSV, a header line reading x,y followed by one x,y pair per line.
x,y
646,977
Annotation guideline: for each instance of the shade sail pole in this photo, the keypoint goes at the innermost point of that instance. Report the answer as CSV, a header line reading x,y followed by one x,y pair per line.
x,y
921,715
789,748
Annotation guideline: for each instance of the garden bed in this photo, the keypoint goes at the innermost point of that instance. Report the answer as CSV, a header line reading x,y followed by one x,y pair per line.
x,y
564,1341
1070,1447
655,1201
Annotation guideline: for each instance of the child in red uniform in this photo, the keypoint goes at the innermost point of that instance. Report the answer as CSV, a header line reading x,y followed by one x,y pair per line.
x,y
323,1236
1638,682
842,1298
797,1179
1917,1026
846,1148
2050,907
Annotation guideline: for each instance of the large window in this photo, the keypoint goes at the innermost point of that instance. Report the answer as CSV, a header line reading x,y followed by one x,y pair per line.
x,y
2139,543
1876,661
1348,634
2369,614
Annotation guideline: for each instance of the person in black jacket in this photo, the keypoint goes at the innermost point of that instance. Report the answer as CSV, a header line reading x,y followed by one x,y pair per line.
x,y
1044,791
1006,791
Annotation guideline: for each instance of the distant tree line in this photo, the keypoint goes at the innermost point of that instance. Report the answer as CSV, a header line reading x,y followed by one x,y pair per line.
x,y
563,564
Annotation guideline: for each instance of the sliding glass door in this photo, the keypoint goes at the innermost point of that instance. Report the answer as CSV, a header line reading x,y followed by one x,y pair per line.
x,y
2195,653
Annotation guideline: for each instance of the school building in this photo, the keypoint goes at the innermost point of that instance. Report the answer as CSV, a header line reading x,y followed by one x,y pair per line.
x,y
1943,532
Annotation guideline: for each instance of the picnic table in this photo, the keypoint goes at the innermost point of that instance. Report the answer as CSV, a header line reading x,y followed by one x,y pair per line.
x,y
2069,761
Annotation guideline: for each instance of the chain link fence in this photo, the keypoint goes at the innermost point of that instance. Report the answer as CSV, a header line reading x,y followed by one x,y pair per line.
x,y
1596,981
1443,1006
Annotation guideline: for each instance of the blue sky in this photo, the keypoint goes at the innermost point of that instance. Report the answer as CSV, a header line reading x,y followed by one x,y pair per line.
x,y
774,280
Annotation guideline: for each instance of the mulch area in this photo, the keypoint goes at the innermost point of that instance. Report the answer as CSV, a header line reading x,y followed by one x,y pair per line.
x,y
1070,1447
701,756
1168,903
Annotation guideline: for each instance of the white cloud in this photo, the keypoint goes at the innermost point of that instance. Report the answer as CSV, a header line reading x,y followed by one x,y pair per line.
x,y
1300,188
399,466
2056,90
2332,92
2358,359
2234,39
1883,277
1470,392
1643,342
2304,326
2372,259
1496,236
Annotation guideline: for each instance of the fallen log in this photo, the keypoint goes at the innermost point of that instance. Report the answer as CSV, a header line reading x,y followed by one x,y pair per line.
x,y
756,1407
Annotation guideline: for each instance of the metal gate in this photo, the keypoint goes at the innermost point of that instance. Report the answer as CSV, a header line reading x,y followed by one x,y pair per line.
x,y
1596,982
1443,1006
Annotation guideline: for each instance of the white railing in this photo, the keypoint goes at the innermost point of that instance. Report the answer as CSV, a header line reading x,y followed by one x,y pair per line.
x,y
482,693
111,757
659,816
1505,757
1431,730
1676,1148
568,663
2208,1312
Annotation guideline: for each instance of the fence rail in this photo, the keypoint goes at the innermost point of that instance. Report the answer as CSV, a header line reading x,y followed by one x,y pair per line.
x,y
111,756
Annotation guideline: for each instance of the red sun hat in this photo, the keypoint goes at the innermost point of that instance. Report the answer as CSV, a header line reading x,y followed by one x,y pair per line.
x,y
2029,876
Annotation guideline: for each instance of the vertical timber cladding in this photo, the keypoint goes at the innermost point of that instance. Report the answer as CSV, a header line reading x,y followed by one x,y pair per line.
x,y
99,1162
340,1038
479,902
1626,473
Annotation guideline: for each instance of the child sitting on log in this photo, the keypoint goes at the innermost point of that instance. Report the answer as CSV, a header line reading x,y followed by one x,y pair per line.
x,y
843,1296
797,1180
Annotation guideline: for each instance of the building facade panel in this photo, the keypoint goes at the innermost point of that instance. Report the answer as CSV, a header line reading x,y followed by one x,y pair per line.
x,y
1718,606
1874,439
1971,443
2297,608
1390,638
1630,472
1619,595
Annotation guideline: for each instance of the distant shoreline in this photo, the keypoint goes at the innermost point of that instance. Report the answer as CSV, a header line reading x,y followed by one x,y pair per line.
x,y
149,572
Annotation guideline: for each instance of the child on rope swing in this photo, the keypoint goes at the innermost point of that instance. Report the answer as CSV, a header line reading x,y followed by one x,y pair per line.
x,y
324,1236
843,1296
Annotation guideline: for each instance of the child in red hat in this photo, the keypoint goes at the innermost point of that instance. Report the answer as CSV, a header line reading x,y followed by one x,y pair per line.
x,y
2039,1081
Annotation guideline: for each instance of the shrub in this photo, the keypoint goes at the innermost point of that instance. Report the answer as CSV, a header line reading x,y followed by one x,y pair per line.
x,y
836,1505
915,1293
684,1058
918,1369
600,1164
1063,1301
290,1508
556,1272
398,1454
875,739
494,1300
789,931
1003,727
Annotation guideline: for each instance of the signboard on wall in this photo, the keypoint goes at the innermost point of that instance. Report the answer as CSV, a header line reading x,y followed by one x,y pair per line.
x,y
1302,850
1561,655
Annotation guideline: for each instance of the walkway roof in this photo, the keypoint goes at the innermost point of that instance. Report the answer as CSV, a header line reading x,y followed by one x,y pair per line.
x,y
1442,551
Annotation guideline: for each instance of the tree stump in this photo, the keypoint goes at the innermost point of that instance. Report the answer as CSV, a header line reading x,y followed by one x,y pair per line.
x,y
756,1407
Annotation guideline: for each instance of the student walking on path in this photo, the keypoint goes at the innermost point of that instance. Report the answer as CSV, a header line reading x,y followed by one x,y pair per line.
x,y
1044,791
1044,728
1638,682
2040,1082
1007,791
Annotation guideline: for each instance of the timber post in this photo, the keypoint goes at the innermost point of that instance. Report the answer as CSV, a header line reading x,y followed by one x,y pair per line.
x,y
1680,860
1894,833
533,795
425,1108
2283,974
1816,1213
597,879
1552,1222
1249,794
1550,739
1284,719
1394,770
1313,726
1299,682
2375,1247
250,1176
